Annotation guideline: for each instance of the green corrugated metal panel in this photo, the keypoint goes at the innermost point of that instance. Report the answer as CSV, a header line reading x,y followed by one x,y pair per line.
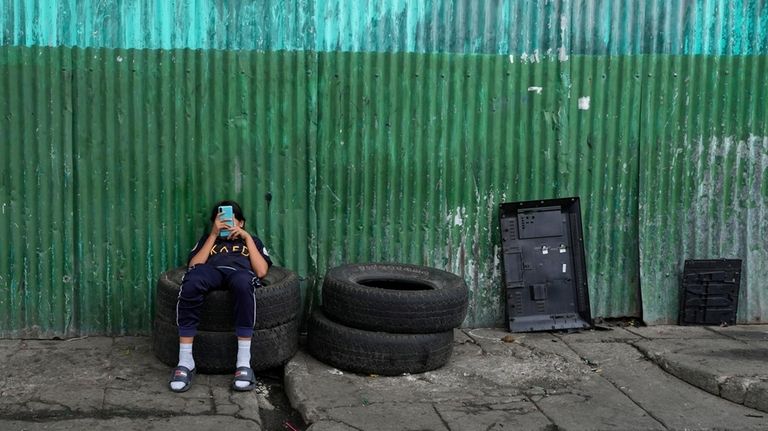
x,y
704,182
159,137
604,133
416,153
718,27
153,138
37,252
118,190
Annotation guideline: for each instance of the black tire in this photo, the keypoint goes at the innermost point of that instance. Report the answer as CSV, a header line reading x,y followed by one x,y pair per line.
x,y
277,301
216,352
395,298
376,352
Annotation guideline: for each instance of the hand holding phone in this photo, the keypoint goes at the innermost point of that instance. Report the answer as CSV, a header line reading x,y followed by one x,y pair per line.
x,y
227,215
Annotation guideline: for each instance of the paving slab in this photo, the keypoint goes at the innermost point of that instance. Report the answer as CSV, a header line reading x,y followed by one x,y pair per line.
x,y
7,348
187,423
102,344
41,383
330,425
675,332
594,404
389,417
732,369
552,344
744,332
57,366
493,414
196,401
527,360
607,335
655,391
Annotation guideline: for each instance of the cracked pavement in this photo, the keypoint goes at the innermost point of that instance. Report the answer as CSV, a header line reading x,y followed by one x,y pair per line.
x,y
112,383
649,378
599,379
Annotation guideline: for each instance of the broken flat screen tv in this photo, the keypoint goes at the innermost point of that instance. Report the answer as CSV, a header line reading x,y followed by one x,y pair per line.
x,y
545,274
709,293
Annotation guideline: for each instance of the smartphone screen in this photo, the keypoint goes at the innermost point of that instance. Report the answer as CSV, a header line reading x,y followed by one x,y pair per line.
x,y
227,214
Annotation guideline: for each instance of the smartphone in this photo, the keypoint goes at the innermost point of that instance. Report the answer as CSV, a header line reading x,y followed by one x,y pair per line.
x,y
226,213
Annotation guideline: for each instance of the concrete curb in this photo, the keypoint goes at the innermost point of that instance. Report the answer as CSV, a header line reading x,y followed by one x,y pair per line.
x,y
716,366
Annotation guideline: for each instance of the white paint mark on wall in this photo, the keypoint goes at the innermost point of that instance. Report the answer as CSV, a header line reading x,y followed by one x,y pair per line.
x,y
457,218
584,103
536,89
238,178
332,193
562,53
534,57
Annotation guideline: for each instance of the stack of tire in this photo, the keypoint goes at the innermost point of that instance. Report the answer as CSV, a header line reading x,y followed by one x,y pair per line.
x,y
275,337
387,319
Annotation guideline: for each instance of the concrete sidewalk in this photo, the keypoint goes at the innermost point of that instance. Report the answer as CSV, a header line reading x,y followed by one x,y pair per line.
x,y
117,383
593,380
614,379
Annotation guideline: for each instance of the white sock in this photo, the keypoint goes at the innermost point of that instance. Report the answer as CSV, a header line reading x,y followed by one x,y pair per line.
x,y
185,356
243,358
185,360
243,353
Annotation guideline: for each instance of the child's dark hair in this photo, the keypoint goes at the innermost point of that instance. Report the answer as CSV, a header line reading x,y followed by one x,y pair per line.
x,y
235,209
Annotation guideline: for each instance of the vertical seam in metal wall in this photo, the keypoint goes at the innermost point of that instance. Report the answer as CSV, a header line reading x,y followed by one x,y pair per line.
x,y
75,278
312,152
639,153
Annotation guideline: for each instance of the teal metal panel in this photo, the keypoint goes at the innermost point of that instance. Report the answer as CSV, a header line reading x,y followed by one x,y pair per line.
x,y
689,27
457,26
159,24
713,27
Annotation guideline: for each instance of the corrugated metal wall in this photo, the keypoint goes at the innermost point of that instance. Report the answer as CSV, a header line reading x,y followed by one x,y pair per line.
x,y
37,262
384,131
704,182
415,152
159,136
115,158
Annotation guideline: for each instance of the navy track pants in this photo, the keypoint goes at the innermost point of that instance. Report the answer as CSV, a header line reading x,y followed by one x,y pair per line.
x,y
203,278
